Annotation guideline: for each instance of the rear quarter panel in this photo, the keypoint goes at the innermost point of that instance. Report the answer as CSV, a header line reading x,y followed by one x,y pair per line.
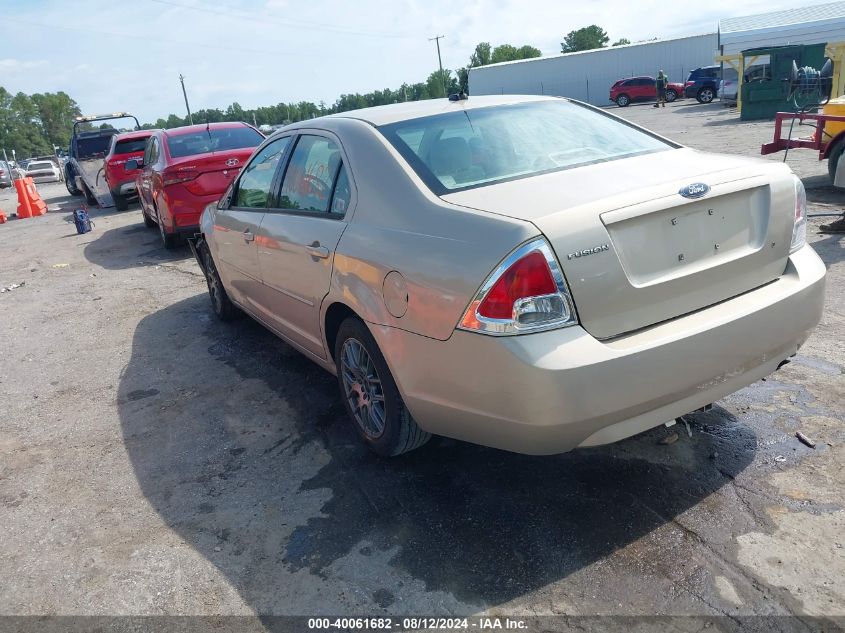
x,y
443,252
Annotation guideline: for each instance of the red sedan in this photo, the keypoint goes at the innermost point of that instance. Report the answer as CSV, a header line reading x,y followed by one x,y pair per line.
x,y
626,91
120,178
185,168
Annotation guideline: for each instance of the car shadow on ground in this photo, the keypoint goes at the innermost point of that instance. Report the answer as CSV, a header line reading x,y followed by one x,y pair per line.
x,y
130,246
243,448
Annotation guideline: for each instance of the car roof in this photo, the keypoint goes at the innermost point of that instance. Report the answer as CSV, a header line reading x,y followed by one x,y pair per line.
x,y
125,136
396,112
201,127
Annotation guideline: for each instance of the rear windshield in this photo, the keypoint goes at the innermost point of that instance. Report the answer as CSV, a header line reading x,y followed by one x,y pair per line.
x,y
40,165
471,148
87,147
213,140
130,145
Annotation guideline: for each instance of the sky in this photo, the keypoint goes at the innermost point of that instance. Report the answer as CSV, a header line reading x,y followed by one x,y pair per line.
x,y
127,55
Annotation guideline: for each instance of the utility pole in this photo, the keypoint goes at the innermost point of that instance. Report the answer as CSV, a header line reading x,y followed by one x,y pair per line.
x,y
185,94
254,122
437,39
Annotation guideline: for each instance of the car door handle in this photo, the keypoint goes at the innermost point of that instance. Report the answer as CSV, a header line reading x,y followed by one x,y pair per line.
x,y
249,236
315,250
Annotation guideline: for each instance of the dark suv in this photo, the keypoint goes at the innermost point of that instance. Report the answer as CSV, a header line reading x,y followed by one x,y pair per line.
x,y
703,83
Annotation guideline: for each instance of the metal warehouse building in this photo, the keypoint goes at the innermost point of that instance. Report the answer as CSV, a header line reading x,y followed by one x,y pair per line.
x,y
588,75
805,25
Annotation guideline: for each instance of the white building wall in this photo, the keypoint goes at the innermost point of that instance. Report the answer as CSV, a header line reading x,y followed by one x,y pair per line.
x,y
588,75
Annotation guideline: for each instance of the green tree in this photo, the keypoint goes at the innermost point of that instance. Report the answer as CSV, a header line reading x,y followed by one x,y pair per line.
x,y
436,81
584,39
509,53
621,41
482,55
56,112
528,52
174,121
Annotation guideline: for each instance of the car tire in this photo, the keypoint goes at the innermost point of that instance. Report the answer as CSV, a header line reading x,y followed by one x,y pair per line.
x,y
833,157
705,95
120,202
70,183
90,200
363,377
623,101
220,302
671,95
170,240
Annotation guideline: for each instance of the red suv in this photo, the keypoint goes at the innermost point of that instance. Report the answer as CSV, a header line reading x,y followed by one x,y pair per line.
x,y
186,168
120,178
626,91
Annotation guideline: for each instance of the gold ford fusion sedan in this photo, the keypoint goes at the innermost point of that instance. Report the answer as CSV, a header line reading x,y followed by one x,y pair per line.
x,y
527,273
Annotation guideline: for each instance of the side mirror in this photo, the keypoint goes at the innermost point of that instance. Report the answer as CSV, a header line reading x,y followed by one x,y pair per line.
x,y
134,163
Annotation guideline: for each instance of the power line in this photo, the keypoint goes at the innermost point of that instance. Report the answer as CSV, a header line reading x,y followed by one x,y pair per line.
x,y
299,24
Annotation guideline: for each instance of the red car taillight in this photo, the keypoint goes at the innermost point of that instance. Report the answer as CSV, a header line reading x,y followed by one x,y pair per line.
x,y
529,277
175,176
688,84
525,293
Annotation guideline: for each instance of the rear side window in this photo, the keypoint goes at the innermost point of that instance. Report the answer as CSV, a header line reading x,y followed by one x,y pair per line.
x,y
129,146
310,175
151,153
257,180
213,140
475,147
342,193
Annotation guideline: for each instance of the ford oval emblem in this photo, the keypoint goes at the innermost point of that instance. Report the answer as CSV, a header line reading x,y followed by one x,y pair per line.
x,y
695,190
234,161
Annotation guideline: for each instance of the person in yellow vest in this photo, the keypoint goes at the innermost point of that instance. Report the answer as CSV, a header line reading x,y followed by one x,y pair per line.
x,y
660,84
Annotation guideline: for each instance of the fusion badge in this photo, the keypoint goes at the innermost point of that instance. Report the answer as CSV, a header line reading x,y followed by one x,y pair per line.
x,y
588,251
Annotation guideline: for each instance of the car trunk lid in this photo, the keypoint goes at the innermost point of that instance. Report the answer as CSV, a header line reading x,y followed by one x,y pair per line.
x,y
635,252
209,174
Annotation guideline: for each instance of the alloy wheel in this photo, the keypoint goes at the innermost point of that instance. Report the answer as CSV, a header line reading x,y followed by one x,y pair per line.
x,y
362,388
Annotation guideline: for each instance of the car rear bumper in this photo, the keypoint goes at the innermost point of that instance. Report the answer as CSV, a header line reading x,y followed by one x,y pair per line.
x,y
125,188
38,178
185,208
554,391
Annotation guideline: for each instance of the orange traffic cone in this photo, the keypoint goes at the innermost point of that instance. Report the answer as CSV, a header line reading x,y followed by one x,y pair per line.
x,y
2,217
24,208
36,204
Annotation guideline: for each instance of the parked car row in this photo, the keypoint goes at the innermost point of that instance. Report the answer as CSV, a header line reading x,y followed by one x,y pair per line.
x,y
42,169
173,173
486,269
703,84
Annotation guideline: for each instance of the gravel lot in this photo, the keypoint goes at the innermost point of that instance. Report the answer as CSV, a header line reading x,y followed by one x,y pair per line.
x,y
154,461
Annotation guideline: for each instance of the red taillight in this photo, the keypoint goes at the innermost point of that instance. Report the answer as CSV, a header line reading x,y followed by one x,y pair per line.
x,y
175,176
529,277
525,293
689,83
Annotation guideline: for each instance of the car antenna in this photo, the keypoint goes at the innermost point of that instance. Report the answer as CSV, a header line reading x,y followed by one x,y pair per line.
x,y
207,126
